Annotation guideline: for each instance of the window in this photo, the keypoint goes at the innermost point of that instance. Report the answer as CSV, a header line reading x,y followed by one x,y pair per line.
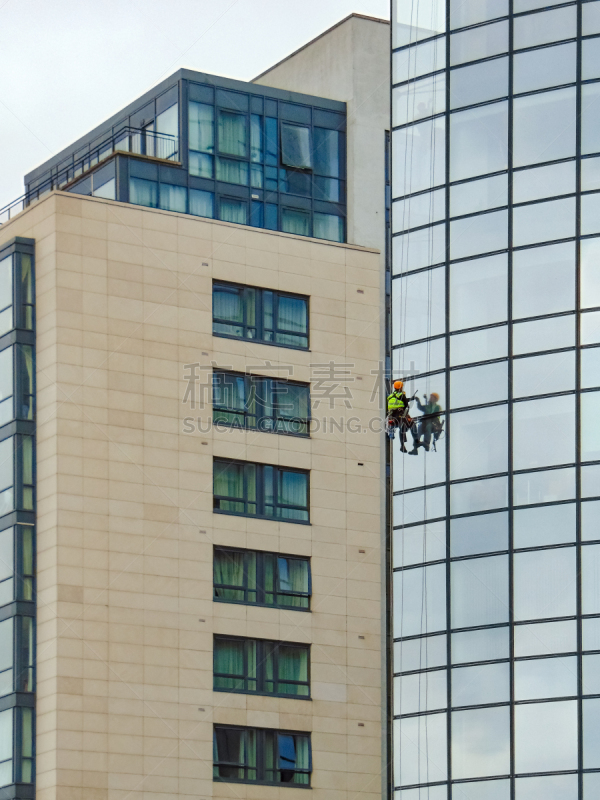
x,y
256,755
295,146
265,404
263,490
257,578
247,312
260,666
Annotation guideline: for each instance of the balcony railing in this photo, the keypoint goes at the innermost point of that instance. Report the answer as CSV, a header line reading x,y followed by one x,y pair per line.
x,y
138,141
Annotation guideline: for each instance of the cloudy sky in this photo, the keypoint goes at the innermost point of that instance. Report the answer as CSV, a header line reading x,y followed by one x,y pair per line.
x,y
67,65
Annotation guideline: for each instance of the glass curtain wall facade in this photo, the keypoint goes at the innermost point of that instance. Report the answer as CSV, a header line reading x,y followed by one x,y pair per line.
x,y
496,310
17,520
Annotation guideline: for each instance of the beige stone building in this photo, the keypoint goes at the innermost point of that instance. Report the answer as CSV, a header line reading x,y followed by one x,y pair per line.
x,y
209,593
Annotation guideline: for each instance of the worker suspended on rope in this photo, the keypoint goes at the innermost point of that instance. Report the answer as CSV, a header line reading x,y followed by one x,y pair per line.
x,y
398,416
429,425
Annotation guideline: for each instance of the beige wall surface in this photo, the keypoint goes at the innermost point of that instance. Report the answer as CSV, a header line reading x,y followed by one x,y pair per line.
x,y
125,532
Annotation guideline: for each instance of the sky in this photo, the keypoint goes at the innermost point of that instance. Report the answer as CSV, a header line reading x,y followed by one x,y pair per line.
x,y
67,65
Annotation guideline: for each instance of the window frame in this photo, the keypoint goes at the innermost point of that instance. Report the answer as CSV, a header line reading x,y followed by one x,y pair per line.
x,y
261,768
263,649
260,590
259,324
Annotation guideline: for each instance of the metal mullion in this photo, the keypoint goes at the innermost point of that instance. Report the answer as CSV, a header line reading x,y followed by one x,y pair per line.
x,y
447,415
578,405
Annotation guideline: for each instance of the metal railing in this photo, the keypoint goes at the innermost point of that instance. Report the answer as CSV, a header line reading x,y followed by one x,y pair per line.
x,y
137,141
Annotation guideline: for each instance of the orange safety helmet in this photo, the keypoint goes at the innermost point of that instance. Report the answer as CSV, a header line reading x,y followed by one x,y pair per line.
x,y
436,395
398,385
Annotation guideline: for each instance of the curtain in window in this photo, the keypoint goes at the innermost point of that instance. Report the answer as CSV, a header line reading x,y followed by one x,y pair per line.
x,y
202,203
293,491
231,747
229,570
327,152
173,198
328,226
202,127
229,481
228,304
230,171
293,577
271,142
143,192
294,402
201,165
292,315
297,222
232,133
229,391
6,746
292,666
229,659
295,146
302,759
234,211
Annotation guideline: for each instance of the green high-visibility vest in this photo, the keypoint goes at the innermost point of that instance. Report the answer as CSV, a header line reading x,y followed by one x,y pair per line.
x,y
395,401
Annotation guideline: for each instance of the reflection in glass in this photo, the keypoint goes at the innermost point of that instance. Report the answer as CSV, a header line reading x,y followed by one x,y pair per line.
x,y
536,527
590,480
544,374
479,591
546,638
420,543
538,182
482,345
474,386
479,442
590,59
6,385
6,656
463,14
488,644
544,432
421,505
543,334
546,737
419,99
591,633
540,131
544,280
590,520
590,209
484,233
423,653
590,429
480,742
421,754
478,292
419,600
438,792
425,691
590,21
414,359
590,174
480,495
590,328
590,368
477,43
591,734
426,142
419,59
545,584
541,69
549,26
421,298
420,248
411,23
545,486
591,674
543,222
590,272
591,781
481,790
422,209
469,198
546,677
479,83
590,117
474,686
550,787
483,533
479,141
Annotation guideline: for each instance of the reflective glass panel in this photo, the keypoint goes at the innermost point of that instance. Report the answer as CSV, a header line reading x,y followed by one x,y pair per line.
x,y
474,686
479,591
546,677
438,792
591,634
483,533
489,40
480,742
478,292
591,734
420,248
489,644
590,368
550,787
539,182
590,211
590,59
544,374
419,544
590,520
543,222
590,117
590,174
591,781
479,442
591,674
419,99
419,506
418,358
469,198
423,653
546,736
417,20
544,432
544,127
479,141
421,298
480,345
481,495
546,638
544,280
590,480
591,18
6,292
484,233
545,486
544,334
425,141
425,691
546,27
536,527
479,83
463,14
590,429
590,328
481,790
422,209
419,600
476,386
420,59
422,752
541,69
545,584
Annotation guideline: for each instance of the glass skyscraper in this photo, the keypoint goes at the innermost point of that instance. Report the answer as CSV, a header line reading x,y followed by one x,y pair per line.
x,y
496,310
